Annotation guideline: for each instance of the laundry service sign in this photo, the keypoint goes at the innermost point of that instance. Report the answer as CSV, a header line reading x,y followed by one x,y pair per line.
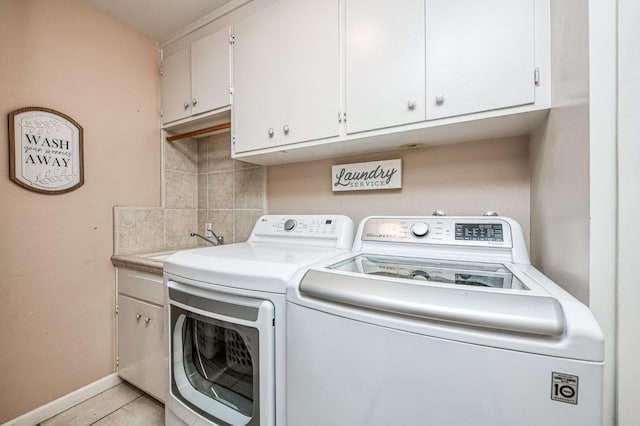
x,y
372,175
45,150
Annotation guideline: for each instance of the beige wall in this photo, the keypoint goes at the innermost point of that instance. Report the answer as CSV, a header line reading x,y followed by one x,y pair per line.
x,y
560,158
56,287
461,179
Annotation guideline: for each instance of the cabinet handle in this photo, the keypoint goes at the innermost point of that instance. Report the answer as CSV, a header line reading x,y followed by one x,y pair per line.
x,y
194,101
270,132
147,319
411,105
285,129
439,99
186,105
138,316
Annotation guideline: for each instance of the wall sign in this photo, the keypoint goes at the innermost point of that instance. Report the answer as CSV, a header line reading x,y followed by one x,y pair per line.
x,y
372,175
45,150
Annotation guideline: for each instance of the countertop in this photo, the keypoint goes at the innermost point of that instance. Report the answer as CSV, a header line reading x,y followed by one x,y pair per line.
x,y
148,261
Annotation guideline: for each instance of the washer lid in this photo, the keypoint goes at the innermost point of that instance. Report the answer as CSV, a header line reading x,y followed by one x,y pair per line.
x,y
252,266
510,312
489,275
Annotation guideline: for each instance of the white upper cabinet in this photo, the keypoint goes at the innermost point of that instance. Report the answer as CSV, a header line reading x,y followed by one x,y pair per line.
x,y
479,54
210,72
195,79
310,42
286,74
256,81
317,79
385,63
176,86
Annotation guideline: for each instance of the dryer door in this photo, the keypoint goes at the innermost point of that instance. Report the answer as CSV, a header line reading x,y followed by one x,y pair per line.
x,y
222,356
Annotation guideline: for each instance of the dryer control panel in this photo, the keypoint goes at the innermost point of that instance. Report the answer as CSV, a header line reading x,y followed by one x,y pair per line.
x,y
325,230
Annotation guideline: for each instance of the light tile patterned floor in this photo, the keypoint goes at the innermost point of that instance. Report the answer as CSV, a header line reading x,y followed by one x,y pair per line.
x,y
121,405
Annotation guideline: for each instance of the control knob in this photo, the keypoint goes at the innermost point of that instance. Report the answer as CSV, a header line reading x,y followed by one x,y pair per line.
x,y
289,224
420,229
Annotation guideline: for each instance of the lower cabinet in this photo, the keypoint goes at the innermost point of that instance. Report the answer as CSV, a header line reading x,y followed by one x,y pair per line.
x,y
140,325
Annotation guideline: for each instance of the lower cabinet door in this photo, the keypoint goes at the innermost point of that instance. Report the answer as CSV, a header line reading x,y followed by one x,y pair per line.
x,y
141,351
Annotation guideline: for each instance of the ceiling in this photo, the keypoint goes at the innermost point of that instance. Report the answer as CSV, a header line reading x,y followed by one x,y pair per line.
x,y
157,19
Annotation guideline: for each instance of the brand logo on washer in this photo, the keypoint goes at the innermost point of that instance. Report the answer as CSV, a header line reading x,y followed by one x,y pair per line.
x,y
564,388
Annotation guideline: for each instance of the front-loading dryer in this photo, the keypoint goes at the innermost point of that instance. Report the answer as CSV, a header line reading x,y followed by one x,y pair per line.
x,y
226,317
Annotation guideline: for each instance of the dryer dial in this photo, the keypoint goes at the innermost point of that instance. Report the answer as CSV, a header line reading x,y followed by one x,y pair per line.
x,y
290,224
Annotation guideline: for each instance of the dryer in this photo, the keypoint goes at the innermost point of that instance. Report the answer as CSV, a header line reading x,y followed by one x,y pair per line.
x,y
226,316
439,321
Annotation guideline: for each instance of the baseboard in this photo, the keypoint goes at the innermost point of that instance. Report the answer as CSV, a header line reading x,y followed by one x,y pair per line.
x,y
65,402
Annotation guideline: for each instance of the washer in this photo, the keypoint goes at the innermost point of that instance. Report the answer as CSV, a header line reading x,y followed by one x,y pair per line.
x,y
439,321
225,319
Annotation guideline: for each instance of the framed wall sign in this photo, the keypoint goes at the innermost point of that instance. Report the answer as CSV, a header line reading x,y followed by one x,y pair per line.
x,y
367,176
45,150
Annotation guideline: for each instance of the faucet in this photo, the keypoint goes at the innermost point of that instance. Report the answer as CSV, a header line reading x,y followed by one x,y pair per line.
x,y
219,240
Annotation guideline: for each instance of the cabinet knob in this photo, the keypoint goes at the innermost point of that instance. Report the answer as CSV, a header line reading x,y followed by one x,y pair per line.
x,y
147,319
186,105
138,316
270,132
439,99
411,105
285,129
194,101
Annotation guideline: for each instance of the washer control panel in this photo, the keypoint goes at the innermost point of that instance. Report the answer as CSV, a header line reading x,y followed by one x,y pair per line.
x,y
420,229
468,231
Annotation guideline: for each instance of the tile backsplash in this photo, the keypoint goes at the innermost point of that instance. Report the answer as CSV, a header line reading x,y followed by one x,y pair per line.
x,y
229,191
202,183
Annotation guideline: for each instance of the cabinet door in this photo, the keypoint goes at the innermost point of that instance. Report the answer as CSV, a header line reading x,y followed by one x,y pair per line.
x,y
210,72
480,55
141,351
256,81
310,38
176,86
385,67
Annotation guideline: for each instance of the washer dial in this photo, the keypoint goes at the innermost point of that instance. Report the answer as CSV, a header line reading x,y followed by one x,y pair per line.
x,y
420,229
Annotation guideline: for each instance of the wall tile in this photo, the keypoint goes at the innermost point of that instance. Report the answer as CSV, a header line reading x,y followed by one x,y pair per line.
x,y
203,157
222,223
181,190
220,190
202,184
219,153
178,225
138,229
181,155
203,195
202,219
244,220
249,188
237,164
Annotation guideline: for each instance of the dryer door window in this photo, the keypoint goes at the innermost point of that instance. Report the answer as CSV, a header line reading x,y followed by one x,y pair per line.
x,y
215,364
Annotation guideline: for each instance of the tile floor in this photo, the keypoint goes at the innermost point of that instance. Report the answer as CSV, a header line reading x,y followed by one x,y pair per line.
x,y
121,405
